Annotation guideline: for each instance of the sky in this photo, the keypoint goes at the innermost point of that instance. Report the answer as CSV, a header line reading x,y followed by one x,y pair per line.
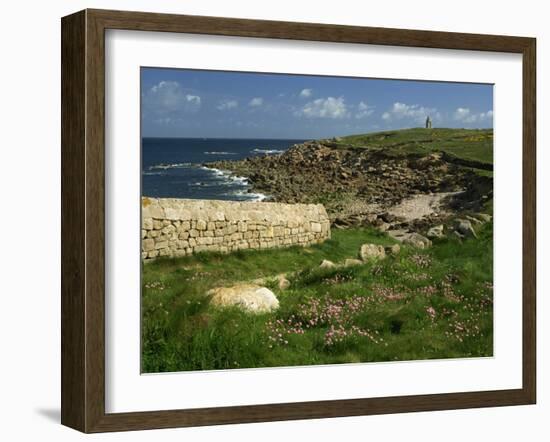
x,y
219,104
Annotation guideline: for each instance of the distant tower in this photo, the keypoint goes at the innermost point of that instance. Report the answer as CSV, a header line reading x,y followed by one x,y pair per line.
x,y
428,122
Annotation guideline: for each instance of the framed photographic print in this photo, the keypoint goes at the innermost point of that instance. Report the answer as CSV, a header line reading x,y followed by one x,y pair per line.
x,y
267,221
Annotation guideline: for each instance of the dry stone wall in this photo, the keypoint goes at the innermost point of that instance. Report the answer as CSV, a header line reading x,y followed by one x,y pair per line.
x,y
179,227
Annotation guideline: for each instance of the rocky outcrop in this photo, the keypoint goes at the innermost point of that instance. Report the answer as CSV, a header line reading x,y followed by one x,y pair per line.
x,y
179,227
436,232
417,240
465,229
355,183
410,238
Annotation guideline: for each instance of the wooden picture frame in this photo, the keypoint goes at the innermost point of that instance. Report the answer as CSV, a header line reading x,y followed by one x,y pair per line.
x,y
83,220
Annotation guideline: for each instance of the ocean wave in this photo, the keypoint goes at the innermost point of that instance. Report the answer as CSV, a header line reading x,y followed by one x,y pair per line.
x,y
257,196
249,196
164,166
227,176
229,179
241,180
267,151
204,184
220,153
216,172
153,173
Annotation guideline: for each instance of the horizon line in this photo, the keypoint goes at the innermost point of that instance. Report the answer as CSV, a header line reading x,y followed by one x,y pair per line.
x,y
308,138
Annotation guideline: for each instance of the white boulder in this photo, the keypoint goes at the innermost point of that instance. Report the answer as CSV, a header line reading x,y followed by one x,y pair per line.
x,y
326,264
371,251
248,297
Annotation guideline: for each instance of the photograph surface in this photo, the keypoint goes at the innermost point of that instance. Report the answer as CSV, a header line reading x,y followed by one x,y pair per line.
x,y
295,220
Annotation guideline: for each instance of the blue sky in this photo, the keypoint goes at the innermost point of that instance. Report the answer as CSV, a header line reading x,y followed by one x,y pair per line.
x,y
218,104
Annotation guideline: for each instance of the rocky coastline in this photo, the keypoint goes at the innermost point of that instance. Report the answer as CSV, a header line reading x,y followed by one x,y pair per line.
x,y
363,186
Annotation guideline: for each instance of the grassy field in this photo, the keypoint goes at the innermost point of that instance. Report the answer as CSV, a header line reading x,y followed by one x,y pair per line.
x,y
421,304
469,144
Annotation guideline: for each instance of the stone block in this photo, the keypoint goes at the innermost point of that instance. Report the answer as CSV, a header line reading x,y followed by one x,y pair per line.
x,y
148,244
316,227
169,229
147,224
161,245
185,225
201,224
204,241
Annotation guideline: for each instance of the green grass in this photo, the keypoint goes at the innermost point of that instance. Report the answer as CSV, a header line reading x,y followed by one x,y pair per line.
x,y
469,144
385,307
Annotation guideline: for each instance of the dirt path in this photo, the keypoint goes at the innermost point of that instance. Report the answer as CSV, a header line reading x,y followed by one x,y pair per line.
x,y
419,206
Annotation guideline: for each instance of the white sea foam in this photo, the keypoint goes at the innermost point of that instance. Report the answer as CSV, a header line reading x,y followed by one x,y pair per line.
x,y
227,175
257,196
170,166
230,179
249,196
241,180
267,151
220,153
216,172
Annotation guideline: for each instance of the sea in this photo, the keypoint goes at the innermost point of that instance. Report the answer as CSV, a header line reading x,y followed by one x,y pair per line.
x,y
173,167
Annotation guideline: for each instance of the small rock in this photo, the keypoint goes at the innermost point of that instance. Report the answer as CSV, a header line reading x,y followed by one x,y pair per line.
x,y
248,297
435,232
473,220
484,217
458,235
371,218
371,251
387,217
464,227
383,227
350,262
283,282
417,240
398,235
393,250
326,264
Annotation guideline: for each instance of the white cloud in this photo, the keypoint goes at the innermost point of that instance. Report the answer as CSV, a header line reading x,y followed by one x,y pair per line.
x,y
463,114
411,112
227,105
483,116
306,93
364,110
169,97
193,99
256,101
329,107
